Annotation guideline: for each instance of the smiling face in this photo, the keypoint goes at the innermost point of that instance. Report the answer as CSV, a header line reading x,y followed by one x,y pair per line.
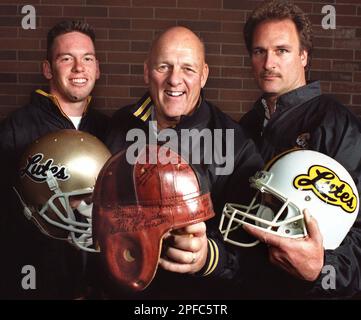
x,y
175,73
73,69
278,64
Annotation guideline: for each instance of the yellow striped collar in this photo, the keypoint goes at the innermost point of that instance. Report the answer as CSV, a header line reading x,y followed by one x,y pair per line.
x,y
55,100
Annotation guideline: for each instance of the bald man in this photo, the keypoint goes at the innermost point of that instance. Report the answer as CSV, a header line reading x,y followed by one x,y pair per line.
x,y
175,72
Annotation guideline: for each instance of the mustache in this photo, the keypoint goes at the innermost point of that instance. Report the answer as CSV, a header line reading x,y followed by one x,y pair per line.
x,y
270,74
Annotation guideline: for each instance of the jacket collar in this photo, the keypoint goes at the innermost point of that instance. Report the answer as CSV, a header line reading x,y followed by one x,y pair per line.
x,y
295,97
143,109
55,101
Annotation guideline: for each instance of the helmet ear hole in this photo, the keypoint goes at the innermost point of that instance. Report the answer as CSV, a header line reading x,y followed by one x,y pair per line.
x,y
53,168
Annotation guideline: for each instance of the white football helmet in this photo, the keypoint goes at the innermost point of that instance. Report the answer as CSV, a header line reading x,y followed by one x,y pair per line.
x,y
291,182
57,174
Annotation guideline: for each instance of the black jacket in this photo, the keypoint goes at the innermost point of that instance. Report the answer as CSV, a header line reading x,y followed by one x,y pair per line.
x,y
306,118
58,265
228,187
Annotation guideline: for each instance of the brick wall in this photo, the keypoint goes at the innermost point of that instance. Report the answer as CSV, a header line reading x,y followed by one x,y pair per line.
x,y
125,29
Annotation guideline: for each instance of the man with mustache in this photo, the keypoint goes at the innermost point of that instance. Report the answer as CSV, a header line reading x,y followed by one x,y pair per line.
x,y
294,113
71,67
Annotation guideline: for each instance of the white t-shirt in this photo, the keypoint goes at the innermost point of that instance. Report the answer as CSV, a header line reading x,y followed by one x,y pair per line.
x,y
75,121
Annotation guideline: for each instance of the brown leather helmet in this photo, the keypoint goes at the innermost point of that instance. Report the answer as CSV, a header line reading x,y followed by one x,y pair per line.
x,y
135,205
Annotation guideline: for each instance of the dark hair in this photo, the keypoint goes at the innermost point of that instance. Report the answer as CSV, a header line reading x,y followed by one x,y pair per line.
x,y
64,27
280,10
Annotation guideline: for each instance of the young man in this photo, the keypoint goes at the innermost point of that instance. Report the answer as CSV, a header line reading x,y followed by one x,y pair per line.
x,y
71,68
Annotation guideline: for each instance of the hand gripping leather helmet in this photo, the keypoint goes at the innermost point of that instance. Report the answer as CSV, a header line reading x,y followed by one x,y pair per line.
x,y
57,174
291,182
137,202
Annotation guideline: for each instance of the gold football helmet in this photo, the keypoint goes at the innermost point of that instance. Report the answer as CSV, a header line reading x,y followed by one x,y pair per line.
x,y
57,174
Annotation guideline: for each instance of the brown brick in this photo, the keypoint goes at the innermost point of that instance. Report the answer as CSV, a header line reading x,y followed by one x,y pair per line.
x,y
237,72
201,25
62,2
348,21
240,95
109,23
340,9
321,64
118,3
147,24
19,66
10,21
249,84
86,11
111,91
49,11
126,80
357,76
131,34
213,48
222,60
346,87
32,78
343,98
244,5
356,99
228,106
173,13
15,89
331,76
356,110
233,49
37,33
134,13
224,83
8,77
120,57
8,31
7,10
113,45
222,15
319,42
154,3
340,65
358,55
325,86
232,26
224,36
211,94
137,92
247,106
32,55
142,46
199,4
114,68
117,103
7,55
348,43
7,99
333,53
214,72
137,69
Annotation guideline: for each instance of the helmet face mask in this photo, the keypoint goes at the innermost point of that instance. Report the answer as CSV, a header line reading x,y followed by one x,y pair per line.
x,y
294,181
57,175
